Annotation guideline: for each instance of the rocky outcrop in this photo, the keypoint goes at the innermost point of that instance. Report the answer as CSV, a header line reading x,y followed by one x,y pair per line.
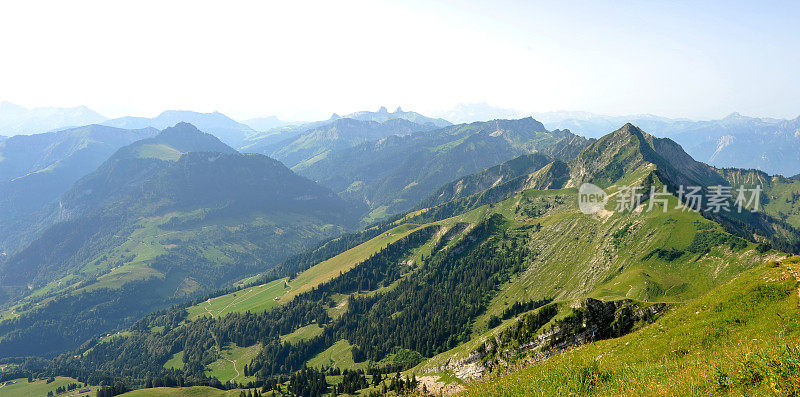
x,y
590,320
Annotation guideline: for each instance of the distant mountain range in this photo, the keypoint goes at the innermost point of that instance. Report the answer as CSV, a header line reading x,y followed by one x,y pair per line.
x,y
287,132
395,173
263,124
316,142
223,127
769,144
36,169
383,115
16,120
471,112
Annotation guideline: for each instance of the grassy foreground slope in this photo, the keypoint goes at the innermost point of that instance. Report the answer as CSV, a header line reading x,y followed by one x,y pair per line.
x,y
739,339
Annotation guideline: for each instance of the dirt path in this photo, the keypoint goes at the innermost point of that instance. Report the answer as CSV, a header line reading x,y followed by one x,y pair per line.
x,y
219,351
234,367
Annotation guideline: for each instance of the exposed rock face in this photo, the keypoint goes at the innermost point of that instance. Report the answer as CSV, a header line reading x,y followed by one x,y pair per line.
x,y
591,320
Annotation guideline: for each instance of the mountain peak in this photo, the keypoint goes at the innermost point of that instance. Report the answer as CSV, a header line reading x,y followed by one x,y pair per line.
x,y
630,128
383,110
174,141
734,115
398,110
183,125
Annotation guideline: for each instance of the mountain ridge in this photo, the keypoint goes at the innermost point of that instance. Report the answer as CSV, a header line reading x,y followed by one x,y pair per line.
x,y
226,129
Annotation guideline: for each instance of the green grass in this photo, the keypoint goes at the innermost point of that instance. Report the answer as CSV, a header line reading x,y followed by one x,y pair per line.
x,y
327,270
616,266
175,362
339,355
261,297
158,151
21,388
739,339
253,299
303,333
563,269
194,391
231,365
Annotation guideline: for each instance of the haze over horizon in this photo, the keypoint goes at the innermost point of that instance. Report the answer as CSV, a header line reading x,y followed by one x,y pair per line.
x,y
257,59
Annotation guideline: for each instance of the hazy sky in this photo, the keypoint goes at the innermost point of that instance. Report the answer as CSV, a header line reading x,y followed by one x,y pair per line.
x,y
303,60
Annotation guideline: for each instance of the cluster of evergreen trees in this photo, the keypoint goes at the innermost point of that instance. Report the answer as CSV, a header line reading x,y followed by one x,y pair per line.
x,y
426,314
111,391
308,382
60,389
522,307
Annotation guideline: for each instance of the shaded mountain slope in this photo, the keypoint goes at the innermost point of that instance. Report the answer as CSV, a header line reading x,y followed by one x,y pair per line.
x,y
396,173
36,169
488,178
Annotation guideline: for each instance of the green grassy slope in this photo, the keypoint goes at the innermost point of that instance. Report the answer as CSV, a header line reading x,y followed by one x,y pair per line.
x,y
739,339
253,299
40,387
262,297
620,263
780,197
230,365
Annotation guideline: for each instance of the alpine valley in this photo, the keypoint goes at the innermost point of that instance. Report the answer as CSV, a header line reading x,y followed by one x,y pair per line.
x,y
391,253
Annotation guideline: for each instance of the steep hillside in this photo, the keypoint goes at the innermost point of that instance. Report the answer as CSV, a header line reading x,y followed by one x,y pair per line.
x,y
780,197
396,173
36,169
488,178
739,339
629,151
155,231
